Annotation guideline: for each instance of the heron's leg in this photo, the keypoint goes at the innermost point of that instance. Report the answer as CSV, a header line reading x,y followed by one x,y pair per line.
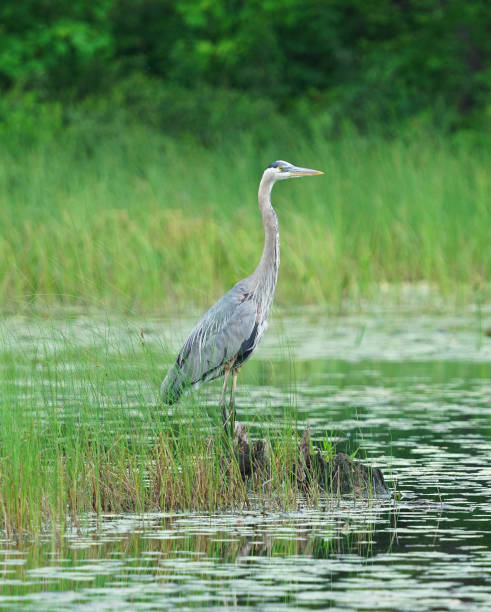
x,y
231,407
222,398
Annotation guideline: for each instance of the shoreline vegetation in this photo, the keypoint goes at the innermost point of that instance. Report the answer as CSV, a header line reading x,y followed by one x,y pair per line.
x,y
133,142
73,446
83,431
134,220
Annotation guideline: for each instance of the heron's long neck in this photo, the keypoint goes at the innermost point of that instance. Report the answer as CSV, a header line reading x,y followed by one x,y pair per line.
x,y
266,272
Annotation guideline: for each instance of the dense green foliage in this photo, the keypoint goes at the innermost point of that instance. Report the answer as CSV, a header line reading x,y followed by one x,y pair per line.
x,y
183,63
139,221
135,132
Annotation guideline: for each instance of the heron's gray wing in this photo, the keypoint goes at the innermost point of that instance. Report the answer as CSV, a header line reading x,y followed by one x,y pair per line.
x,y
216,339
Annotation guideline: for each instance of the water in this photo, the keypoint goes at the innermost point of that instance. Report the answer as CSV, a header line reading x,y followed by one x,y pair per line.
x,y
411,391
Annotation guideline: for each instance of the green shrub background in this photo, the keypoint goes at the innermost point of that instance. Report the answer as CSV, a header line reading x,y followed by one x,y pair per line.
x,y
133,135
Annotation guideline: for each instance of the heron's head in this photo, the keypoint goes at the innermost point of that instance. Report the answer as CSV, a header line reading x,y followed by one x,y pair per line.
x,y
280,170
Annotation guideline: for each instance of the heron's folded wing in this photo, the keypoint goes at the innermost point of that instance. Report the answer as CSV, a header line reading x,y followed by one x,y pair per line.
x,y
217,338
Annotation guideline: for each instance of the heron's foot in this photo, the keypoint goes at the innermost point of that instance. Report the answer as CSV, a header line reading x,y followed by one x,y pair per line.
x,y
228,421
231,420
222,399
224,419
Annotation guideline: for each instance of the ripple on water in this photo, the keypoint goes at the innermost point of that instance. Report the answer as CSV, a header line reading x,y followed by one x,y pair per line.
x,y
412,392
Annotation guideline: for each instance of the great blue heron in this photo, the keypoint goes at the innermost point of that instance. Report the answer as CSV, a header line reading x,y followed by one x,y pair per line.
x,y
229,332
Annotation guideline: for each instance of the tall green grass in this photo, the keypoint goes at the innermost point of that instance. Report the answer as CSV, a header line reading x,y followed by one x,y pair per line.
x,y
82,430
131,219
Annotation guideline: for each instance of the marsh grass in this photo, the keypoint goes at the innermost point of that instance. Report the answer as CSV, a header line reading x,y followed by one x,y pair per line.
x,y
133,220
83,431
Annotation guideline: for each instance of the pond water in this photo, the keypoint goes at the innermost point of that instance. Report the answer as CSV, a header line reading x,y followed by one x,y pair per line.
x,y
411,391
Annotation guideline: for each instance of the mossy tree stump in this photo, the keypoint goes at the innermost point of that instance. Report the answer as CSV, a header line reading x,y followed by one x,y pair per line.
x,y
338,475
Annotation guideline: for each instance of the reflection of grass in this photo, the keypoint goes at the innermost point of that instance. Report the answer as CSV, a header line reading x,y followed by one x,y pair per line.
x,y
141,222
168,551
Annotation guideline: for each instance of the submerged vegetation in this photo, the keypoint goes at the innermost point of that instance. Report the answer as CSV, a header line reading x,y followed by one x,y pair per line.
x,y
134,220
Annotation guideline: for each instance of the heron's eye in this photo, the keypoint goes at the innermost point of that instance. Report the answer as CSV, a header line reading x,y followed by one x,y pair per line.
x,y
281,168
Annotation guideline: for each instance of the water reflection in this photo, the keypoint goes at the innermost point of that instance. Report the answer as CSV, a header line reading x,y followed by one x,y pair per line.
x,y
347,555
416,400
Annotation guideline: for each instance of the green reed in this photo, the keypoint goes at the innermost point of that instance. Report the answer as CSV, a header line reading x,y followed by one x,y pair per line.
x,y
133,220
82,431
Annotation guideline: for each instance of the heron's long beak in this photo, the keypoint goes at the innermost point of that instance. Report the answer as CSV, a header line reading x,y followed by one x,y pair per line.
x,y
297,171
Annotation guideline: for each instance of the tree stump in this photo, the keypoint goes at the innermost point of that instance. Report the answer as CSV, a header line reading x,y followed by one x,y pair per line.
x,y
253,458
339,475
